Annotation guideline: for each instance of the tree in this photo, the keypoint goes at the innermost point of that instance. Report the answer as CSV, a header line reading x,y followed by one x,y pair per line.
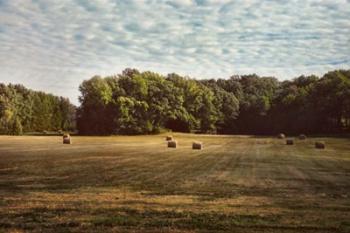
x,y
331,98
135,102
93,117
24,110
16,127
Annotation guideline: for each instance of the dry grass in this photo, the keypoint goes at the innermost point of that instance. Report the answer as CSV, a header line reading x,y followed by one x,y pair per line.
x,y
137,184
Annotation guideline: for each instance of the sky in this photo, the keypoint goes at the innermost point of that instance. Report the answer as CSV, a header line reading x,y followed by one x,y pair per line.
x,y
53,46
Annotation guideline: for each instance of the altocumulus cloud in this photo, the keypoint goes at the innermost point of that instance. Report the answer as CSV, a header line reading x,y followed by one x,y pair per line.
x,y
54,45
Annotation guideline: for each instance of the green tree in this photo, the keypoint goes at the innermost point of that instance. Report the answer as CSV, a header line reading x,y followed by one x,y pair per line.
x,y
16,128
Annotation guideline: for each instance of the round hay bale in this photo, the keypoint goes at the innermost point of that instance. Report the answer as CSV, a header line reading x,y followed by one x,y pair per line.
x,y
320,145
281,136
172,144
169,138
197,145
302,137
289,142
67,139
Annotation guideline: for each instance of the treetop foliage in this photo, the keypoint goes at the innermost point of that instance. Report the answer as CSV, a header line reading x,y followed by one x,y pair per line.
x,y
135,102
24,110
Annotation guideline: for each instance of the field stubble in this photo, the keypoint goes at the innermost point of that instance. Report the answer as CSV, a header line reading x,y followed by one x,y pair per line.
x,y
137,184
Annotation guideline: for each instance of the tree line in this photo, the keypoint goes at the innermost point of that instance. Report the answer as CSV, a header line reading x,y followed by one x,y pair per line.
x,y
135,102
23,110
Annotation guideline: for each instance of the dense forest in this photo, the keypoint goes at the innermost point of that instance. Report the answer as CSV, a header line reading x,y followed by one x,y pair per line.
x,y
23,110
137,102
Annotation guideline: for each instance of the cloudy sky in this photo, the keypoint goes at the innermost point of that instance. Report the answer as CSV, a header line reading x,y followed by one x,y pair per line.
x,y
53,45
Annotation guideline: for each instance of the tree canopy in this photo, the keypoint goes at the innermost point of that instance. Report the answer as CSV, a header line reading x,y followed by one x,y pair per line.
x,y
23,110
135,102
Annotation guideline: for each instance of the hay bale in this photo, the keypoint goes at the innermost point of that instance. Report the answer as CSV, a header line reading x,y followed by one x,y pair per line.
x,y
169,138
320,145
289,142
172,144
197,145
302,136
67,139
281,136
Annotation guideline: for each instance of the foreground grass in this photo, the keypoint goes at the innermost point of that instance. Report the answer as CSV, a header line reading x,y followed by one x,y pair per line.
x,y
137,184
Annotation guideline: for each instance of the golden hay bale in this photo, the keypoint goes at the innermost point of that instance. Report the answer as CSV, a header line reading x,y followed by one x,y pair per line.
x,y
197,145
67,139
289,142
172,144
169,138
320,145
302,136
281,136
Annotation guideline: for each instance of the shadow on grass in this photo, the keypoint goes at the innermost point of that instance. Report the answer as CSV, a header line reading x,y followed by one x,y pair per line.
x,y
46,220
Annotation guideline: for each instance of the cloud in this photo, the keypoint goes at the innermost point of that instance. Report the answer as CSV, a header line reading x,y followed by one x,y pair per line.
x,y
54,45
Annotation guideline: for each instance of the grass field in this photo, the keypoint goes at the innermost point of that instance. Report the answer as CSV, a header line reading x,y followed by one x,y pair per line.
x,y
137,184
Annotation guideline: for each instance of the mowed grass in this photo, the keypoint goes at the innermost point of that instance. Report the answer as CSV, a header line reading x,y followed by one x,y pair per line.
x,y
137,184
